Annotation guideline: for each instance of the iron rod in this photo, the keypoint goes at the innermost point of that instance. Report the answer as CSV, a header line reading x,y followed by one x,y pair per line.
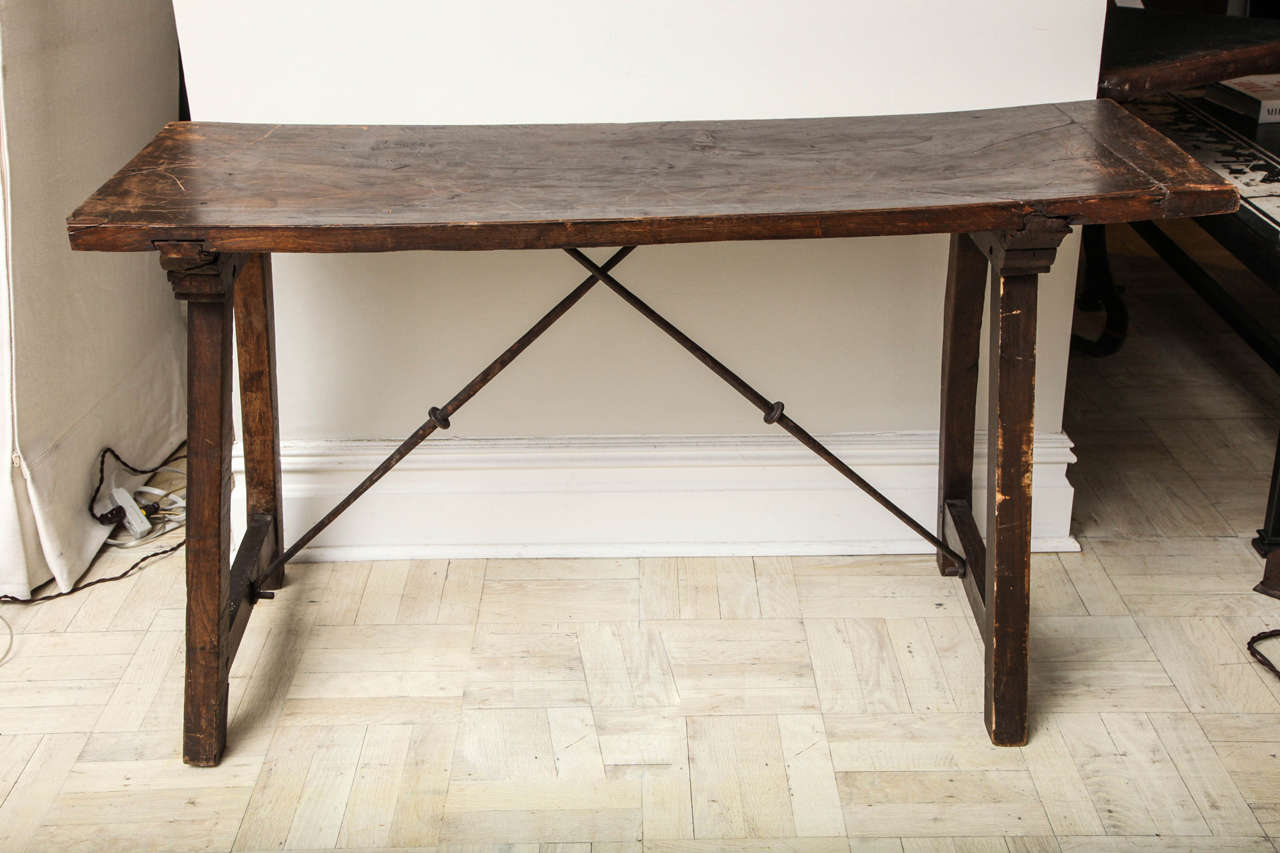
x,y
802,435
468,391
739,384
764,404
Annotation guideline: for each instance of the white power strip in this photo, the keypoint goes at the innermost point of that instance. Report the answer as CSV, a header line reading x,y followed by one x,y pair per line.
x,y
171,512
134,519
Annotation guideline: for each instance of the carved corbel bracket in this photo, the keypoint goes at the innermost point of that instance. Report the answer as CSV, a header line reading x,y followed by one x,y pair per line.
x,y
198,275
1027,251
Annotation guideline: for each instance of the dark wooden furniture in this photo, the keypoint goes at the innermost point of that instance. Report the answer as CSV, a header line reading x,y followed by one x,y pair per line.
x,y
1147,52
1247,157
1151,52
1144,55
216,199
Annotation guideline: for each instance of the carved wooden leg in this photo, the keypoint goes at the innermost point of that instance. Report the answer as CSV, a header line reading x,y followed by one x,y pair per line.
x,y
1267,542
206,283
1016,260
961,334
1270,583
1100,293
255,341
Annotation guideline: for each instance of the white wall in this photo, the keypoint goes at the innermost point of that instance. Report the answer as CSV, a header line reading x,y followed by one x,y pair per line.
x,y
845,331
485,61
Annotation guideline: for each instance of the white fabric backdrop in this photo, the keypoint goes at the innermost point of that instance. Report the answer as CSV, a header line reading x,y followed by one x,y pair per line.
x,y
96,354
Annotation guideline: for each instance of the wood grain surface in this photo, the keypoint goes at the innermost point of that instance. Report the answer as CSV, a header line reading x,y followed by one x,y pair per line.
x,y
1146,52
341,188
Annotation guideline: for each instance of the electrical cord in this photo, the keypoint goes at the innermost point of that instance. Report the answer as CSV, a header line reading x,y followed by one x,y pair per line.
x,y
170,513
1252,646
169,508
173,516
13,599
115,515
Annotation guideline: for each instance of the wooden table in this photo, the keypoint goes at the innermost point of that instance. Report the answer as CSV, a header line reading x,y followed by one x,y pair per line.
x,y
215,200
1247,156
1148,53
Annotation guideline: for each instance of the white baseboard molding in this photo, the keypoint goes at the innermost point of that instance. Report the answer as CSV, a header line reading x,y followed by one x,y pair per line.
x,y
640,496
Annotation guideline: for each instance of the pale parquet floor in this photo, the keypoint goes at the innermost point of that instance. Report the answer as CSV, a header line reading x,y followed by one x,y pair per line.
x,y
798,705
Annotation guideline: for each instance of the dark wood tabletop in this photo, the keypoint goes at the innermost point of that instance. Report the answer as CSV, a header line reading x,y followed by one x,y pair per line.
x,y
342,188
1147,52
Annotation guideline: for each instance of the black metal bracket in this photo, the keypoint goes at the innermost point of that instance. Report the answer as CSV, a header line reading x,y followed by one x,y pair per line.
x,y
438,418
257,593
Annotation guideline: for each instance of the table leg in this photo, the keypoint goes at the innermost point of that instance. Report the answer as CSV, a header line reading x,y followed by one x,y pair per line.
x,y
961,342
1010,435
1270,583
205,282
998,566
1100,293
208,527
1267,542
256,351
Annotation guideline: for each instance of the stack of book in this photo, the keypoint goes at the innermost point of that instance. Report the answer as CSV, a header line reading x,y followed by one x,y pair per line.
x,y
1256,98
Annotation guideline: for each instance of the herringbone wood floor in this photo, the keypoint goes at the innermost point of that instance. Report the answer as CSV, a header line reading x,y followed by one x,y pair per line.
x,y
715,704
